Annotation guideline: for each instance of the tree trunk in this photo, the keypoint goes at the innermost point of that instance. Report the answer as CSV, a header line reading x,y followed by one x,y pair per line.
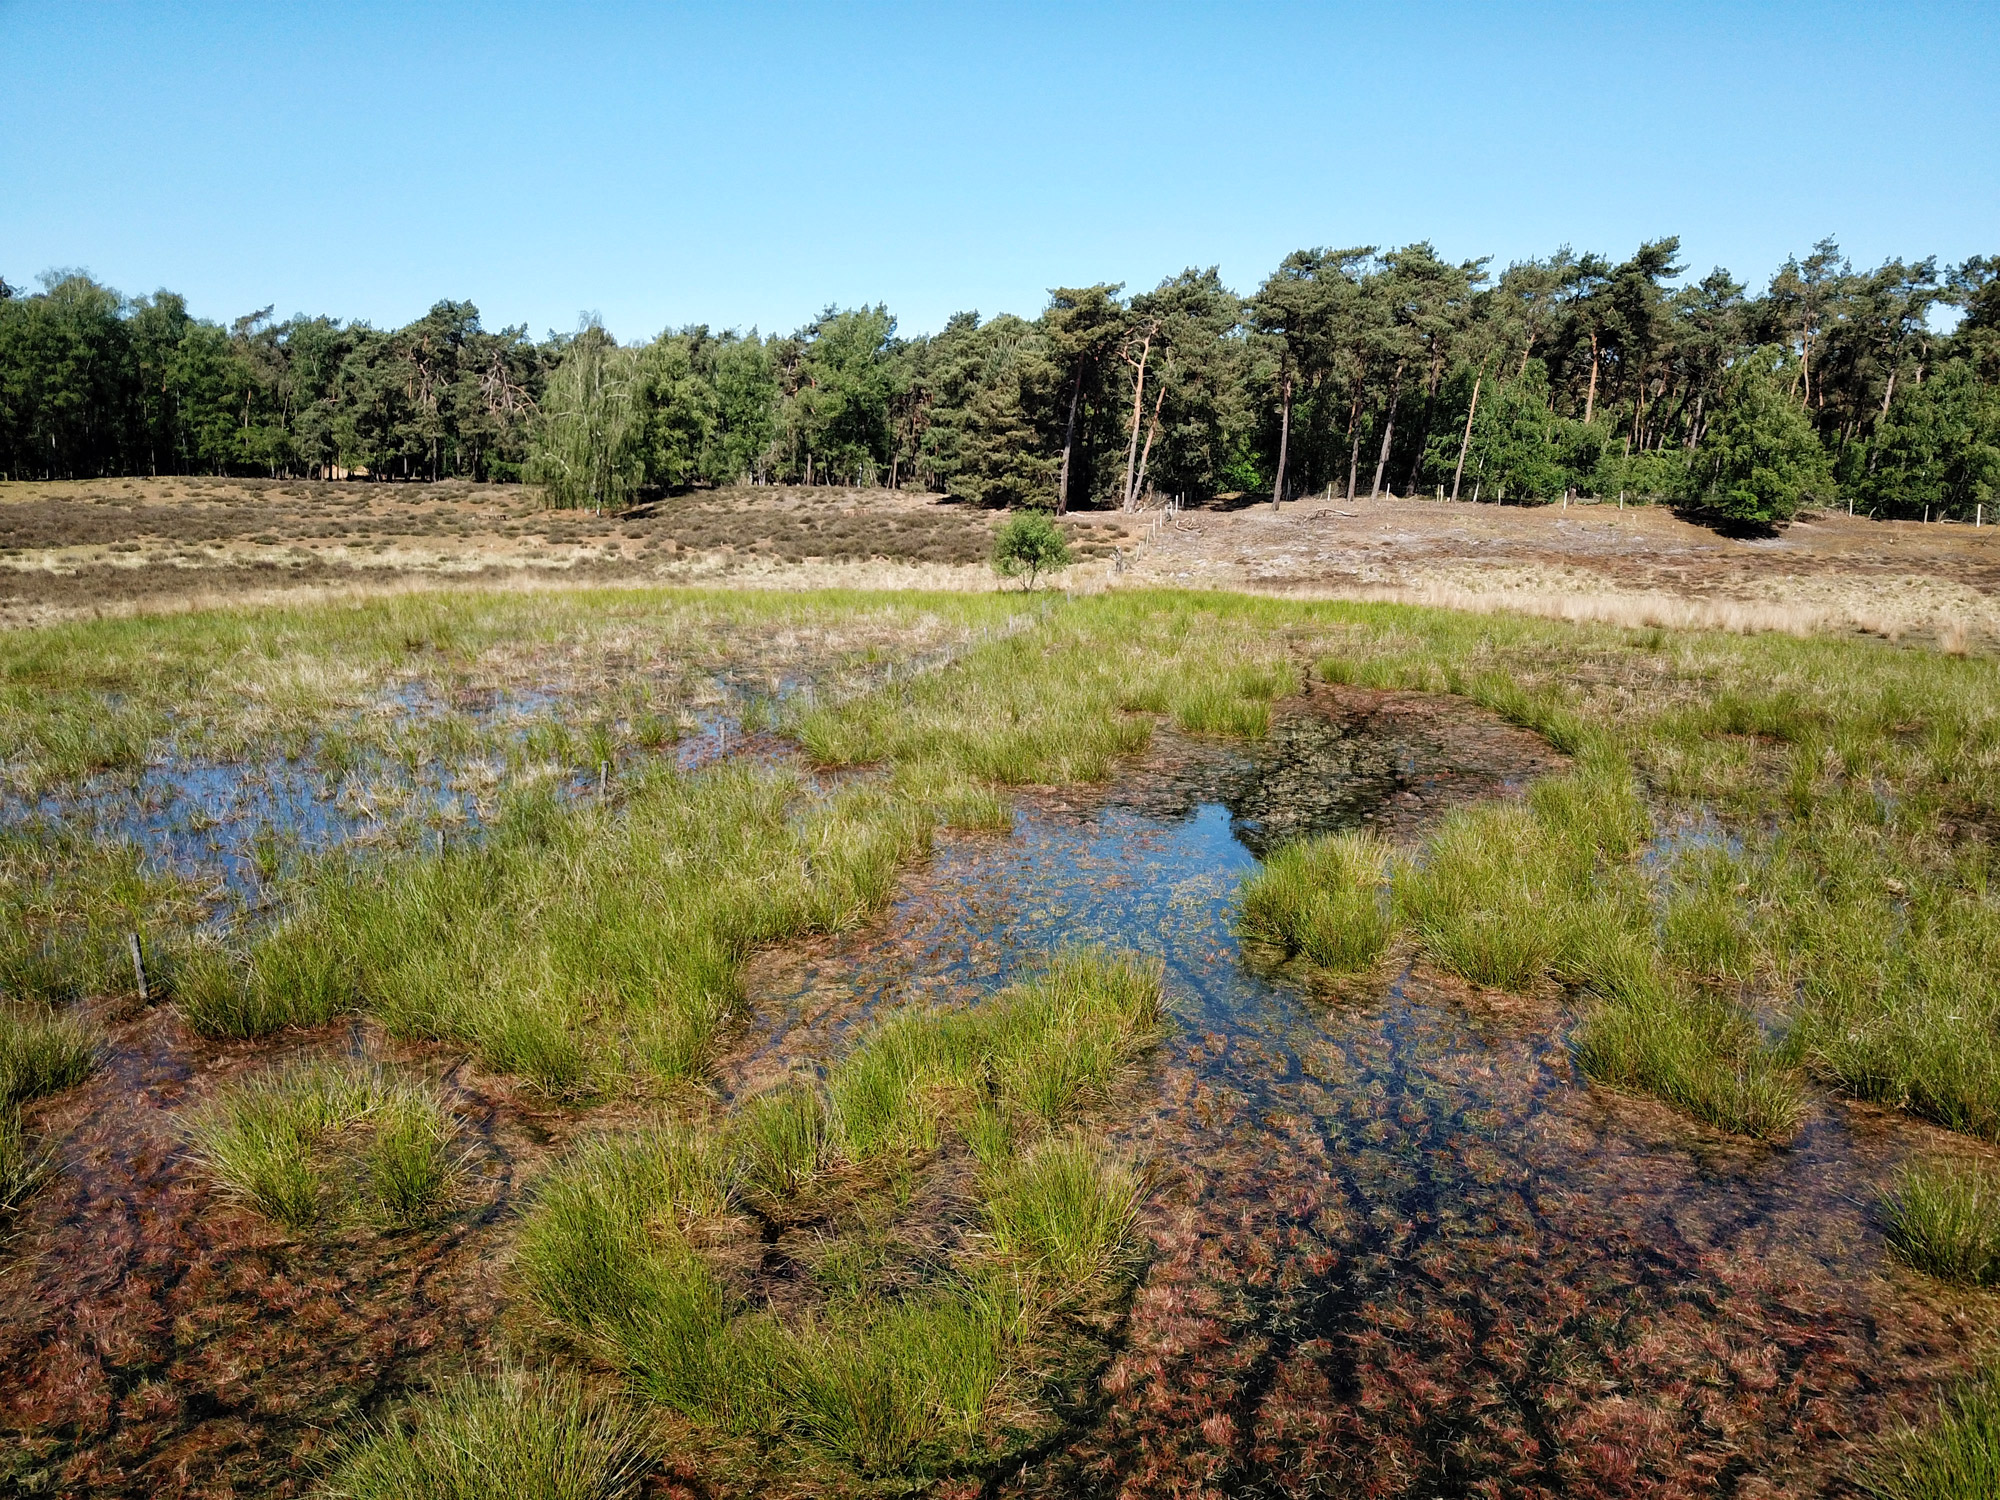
x,y
1354,443
1388,430
1284,445
1152,431
1466,441
1138,403
1590,400
1069,442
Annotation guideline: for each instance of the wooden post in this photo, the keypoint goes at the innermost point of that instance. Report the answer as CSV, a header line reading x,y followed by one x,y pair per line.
x,y
138,965
603,777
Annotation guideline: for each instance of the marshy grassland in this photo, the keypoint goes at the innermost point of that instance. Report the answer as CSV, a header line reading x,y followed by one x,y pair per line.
x,y
439,893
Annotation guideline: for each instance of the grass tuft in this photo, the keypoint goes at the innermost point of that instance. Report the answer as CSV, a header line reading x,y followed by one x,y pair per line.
x,y
1945,1219
1323,899
311,1145
781,1143
1491,899
1069,1215
517,1435
42,1054
1956,1456
24,1165
1693,1050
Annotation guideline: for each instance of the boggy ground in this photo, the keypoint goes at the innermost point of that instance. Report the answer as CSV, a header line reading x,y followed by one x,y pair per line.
x,y
1399,1248
124,544
160,1339
1399,1244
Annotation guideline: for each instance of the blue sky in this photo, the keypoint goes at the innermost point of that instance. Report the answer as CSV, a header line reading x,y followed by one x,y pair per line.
x,y
750,163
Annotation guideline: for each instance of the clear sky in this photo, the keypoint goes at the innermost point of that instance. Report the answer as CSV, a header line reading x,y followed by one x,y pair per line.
x,y
749,163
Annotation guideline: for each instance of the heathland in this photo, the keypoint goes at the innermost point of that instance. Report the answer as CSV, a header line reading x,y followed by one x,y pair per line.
x,y
620,1039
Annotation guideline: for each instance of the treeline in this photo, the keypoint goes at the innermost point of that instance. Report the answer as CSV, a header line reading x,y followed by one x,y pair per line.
x,y
1347,371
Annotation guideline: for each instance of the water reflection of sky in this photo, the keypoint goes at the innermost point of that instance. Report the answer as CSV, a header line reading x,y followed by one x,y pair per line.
x,y
1433,1261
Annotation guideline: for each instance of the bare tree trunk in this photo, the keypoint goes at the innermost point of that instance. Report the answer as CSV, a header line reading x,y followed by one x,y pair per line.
x,y
1465,442
1152,431
1284,445
1354,443
1388,430
1069,442
1590,400
1138,403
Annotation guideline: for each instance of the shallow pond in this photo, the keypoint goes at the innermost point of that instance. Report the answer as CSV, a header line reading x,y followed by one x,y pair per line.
x,y
1401,1248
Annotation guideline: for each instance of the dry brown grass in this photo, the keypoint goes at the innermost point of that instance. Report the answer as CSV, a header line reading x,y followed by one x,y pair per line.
x,y
126,546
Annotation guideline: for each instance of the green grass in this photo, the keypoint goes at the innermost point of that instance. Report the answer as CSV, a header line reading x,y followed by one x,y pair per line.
x,y
1068,1213
317,1145
1696,1051
781,1143
1050,1049
1491,898
24,1165
517,1435
1062,702
1945,1219
1325,900
42,1053
896,1371
1954,1457
899,1390
577,945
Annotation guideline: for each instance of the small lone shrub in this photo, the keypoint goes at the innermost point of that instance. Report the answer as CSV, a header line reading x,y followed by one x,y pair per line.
x,y
1029,545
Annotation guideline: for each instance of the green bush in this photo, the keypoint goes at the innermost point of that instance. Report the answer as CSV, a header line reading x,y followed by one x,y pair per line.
x,y
1028,545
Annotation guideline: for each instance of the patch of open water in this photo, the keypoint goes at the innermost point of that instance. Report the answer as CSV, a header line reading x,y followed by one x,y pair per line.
x,y
1401,1247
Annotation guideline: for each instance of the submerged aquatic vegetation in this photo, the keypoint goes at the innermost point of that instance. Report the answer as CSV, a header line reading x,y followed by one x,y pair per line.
x,y
525,1436
319,1143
